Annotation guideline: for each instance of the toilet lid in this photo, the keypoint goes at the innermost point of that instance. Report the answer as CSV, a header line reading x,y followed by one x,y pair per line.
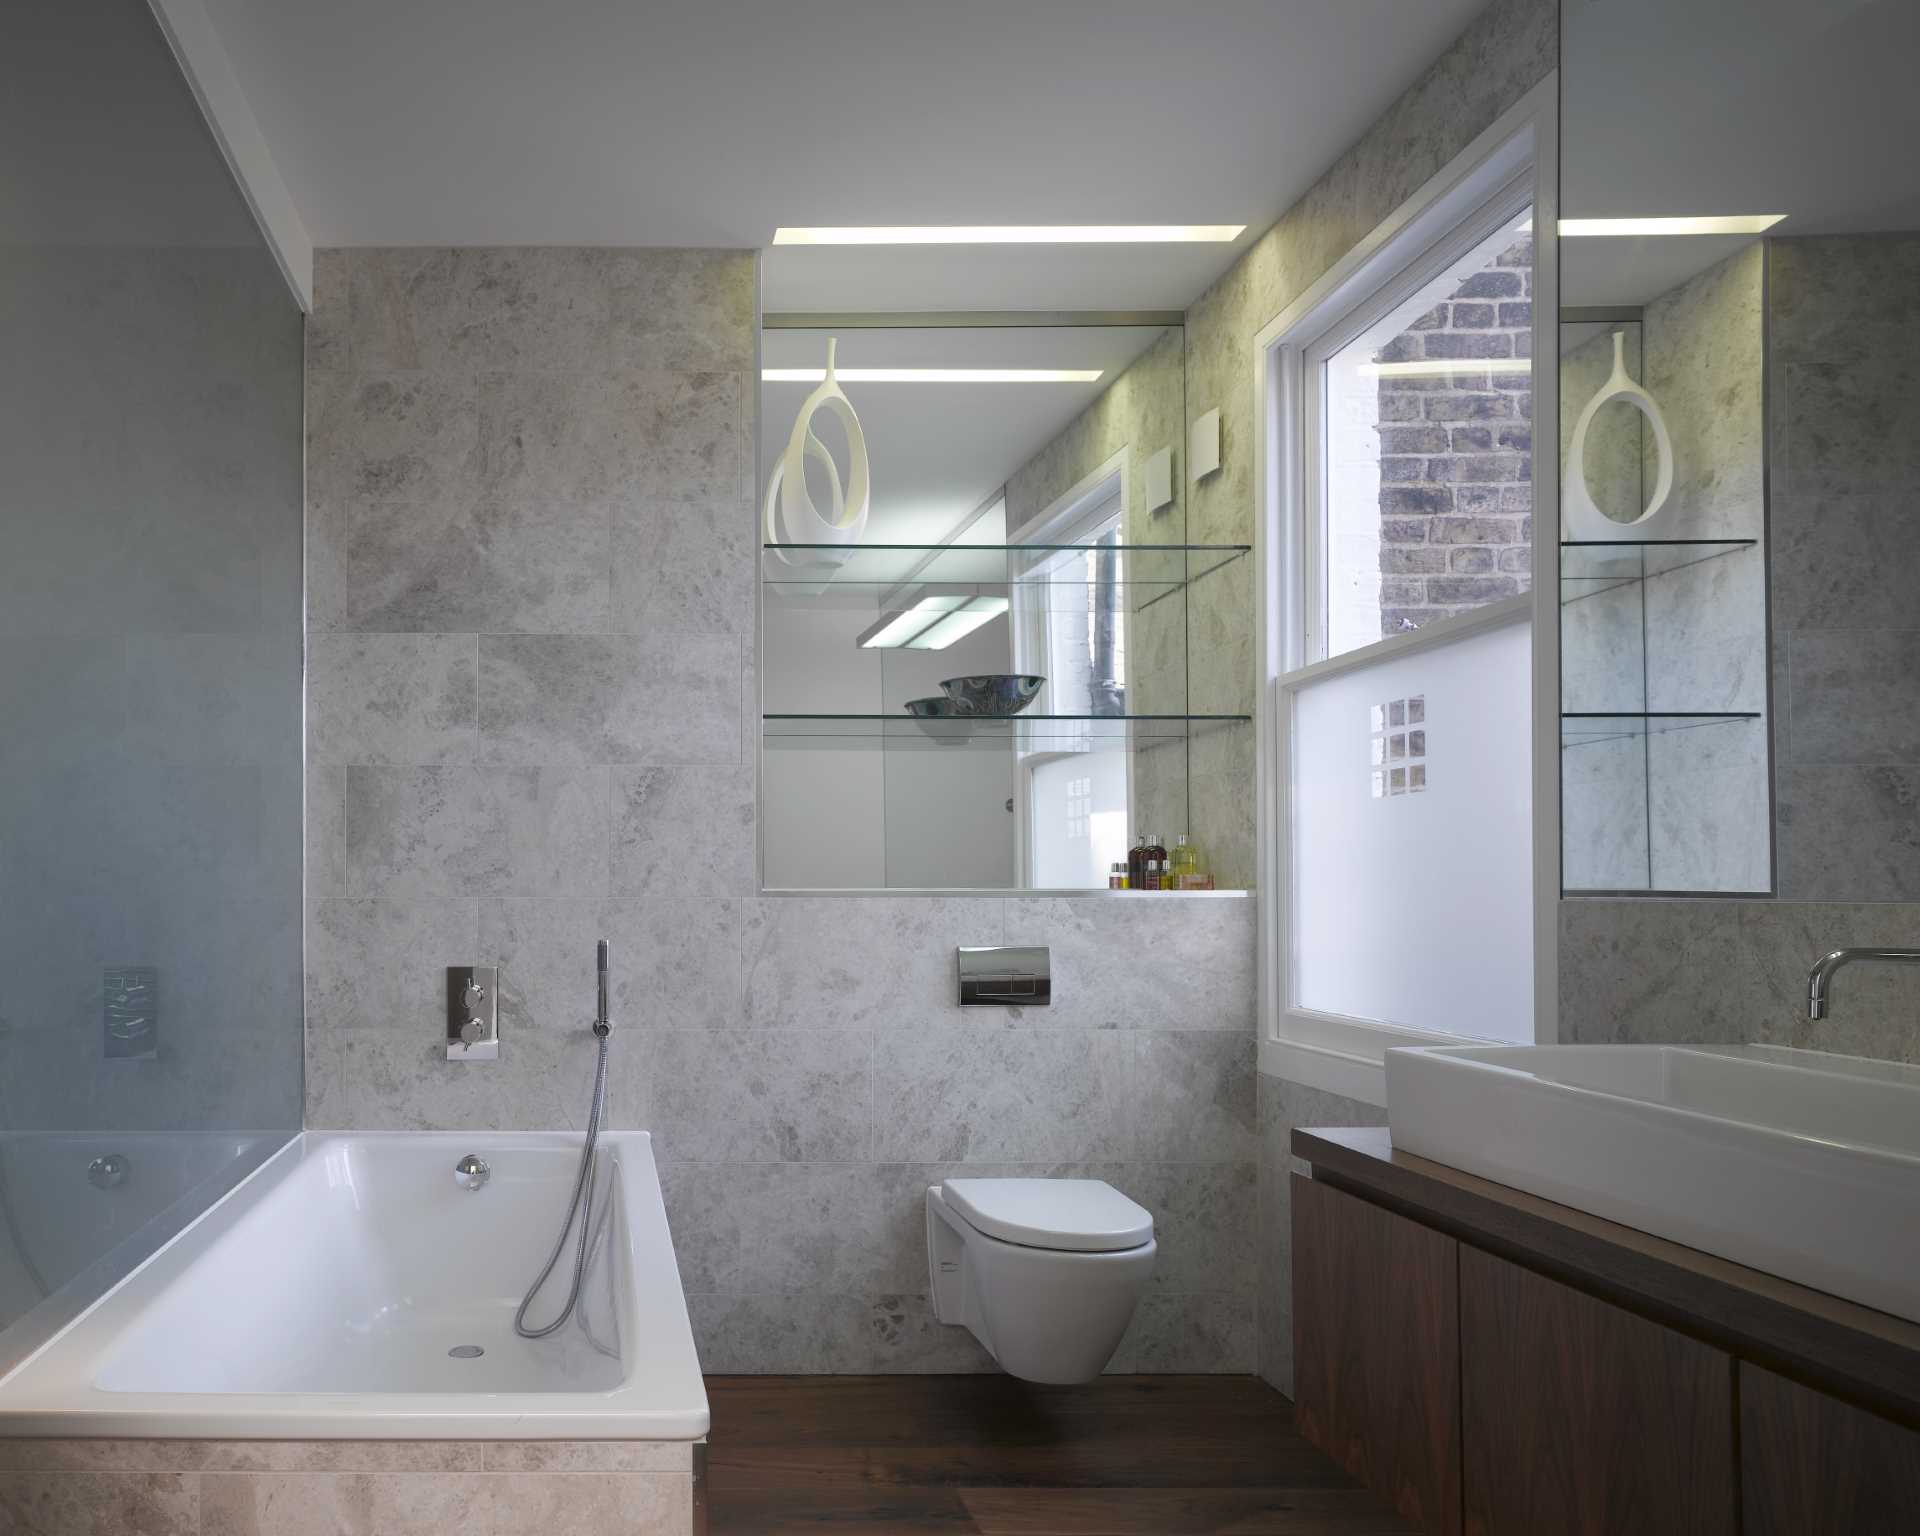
x,y
1069,1215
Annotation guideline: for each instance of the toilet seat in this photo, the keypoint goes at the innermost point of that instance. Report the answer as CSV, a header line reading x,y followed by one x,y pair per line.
x,y
1046,1273
1063,1215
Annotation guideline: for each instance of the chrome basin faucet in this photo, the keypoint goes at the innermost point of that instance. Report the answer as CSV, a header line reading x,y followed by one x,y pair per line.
x,y
1820,978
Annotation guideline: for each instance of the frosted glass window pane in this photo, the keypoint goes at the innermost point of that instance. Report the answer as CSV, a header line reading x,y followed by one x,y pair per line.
x,y
1412,837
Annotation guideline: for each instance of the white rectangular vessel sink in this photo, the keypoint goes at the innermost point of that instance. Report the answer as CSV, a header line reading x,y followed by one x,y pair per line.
x,y
1802,1164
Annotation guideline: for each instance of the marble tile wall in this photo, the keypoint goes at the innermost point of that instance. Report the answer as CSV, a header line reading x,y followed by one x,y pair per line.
x,y
1727,972
1844,414
532,597
325,1487
1845,318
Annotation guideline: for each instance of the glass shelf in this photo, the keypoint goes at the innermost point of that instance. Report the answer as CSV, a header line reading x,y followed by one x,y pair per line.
x,y
1586,728
1028,732
806,567
1595,565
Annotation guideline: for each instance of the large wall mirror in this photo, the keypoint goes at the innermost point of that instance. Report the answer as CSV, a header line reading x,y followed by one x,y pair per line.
x,y
1740,448
1001,681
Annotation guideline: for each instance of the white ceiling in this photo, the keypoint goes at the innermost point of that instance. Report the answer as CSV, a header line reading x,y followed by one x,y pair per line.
x,y
1731,106
644,122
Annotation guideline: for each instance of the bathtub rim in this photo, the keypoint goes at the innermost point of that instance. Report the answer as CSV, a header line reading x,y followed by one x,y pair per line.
x,y
51,1394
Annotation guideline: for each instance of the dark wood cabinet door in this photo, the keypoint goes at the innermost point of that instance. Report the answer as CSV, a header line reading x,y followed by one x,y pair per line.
x,y
1376,1349
1811,1465
1580,1419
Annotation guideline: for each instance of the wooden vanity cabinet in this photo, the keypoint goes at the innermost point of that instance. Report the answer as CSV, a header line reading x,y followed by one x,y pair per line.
x,y
1581,1418
1376,1351
1811,1465
1498,1365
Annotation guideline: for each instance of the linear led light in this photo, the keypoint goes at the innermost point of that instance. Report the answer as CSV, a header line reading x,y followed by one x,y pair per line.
x,y
955,625
1008,234
896,629
934,375
1434,366
1700,224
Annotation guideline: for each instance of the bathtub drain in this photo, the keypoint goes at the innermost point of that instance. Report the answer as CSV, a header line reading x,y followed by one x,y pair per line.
x,y
466,1351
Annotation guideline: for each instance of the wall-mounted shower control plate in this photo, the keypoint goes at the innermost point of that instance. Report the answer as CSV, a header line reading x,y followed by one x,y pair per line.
x,y
131,994
1010,975
473,1012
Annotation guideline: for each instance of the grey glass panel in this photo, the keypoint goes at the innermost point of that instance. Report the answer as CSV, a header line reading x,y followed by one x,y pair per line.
x,y
150,659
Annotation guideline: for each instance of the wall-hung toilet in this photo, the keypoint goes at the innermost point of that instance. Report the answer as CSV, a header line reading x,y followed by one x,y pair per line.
x,y
1045,1272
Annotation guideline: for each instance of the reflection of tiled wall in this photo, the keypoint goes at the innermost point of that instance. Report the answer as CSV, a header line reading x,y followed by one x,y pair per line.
x,y
1844,419
530,697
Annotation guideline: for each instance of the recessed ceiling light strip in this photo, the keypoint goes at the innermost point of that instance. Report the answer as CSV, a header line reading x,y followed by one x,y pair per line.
x,y
956,625
935,375
1007,234
1697,224
896,629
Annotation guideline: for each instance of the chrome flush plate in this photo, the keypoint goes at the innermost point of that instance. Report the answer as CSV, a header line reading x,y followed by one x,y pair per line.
x,y
1007,975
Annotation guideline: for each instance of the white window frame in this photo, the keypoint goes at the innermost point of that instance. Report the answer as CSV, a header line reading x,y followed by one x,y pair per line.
x,y
1517,157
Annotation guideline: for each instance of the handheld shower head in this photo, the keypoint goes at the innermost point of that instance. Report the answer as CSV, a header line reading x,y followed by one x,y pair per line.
x,y
580,1207
602,1024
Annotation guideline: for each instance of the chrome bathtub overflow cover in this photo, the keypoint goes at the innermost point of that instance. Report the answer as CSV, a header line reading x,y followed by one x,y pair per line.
x,y
107,1172
466,1351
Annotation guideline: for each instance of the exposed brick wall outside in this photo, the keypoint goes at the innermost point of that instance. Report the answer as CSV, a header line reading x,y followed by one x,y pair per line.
x,y
1456,452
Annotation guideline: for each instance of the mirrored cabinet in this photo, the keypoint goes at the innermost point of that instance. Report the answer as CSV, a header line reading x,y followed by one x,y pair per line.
x,y
1665,691
1000,682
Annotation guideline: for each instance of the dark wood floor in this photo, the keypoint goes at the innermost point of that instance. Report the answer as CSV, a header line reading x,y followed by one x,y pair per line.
x,y
991,1456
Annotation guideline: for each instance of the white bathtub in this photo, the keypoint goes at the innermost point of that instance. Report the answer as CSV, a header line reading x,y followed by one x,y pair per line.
x,y
320,1300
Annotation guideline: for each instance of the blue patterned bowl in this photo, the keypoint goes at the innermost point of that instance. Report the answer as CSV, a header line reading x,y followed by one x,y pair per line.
x,y
995,693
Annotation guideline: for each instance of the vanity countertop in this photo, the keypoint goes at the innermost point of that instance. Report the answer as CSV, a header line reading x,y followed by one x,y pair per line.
x,y
1870,1356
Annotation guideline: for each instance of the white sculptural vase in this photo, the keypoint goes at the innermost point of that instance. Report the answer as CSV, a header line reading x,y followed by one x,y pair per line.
x,y
790,516
1580,519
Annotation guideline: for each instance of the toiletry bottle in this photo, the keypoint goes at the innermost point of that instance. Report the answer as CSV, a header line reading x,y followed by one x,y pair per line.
x,y
1117,878
1183,866
1137,864
1157,858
